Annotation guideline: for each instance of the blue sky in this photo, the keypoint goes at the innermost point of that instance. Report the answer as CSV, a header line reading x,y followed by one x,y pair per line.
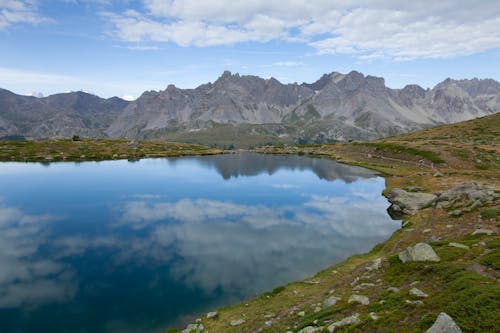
x,y
124,47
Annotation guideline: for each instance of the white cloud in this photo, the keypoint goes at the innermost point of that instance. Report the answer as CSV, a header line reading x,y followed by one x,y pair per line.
x,y
288,64
25,278
208,236
128,97
19,11
367,29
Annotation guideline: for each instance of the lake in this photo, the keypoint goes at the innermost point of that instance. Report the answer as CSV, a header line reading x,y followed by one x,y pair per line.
x,y
121,246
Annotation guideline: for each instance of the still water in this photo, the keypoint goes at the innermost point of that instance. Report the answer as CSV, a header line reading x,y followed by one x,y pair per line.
x,y
124,246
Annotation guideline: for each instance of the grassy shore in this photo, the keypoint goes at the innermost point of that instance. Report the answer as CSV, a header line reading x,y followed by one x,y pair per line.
x,y
95,150
464,284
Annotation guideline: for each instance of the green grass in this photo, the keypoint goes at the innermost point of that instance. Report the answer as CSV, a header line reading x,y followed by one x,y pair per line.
x,y
490,213
398,149
94,150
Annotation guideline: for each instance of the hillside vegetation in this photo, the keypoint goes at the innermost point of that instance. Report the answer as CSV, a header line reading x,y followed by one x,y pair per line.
x,y
464,283
94,150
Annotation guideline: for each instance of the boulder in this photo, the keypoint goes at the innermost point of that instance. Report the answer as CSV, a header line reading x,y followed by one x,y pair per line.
x,y
237,322
419,252
444,324
355,298
403,202
354,319
374,265
418,293
393,289
460,246
212,315
194,328
482,232
332,300
310,329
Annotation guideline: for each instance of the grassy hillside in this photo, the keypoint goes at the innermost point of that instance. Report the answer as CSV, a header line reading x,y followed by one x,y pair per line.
x,y
464,284
94,150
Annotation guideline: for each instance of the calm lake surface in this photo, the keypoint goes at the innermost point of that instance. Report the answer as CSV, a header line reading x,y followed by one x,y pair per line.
x,y
124,246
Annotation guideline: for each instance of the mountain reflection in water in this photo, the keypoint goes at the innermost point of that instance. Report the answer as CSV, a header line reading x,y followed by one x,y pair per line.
x,y
124,247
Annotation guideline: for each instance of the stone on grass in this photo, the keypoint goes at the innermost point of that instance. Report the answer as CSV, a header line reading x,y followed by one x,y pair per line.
x,y
212,315
301,314
393,289
373,316
417,303
363,300
332,300
310,329
194,328
237,322
419,252
354,319
482,232
460,246
375,264
444,324
418,293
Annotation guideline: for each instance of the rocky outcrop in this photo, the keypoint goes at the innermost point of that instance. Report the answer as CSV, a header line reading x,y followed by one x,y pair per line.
x,y
466,196
419,252
403,202
444,324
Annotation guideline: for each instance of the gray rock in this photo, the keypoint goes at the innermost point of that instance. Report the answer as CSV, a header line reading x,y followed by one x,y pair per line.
x,y
438,174
483,232
413,189
237,322
361,299
194,328
444,324
375,265
461,246
468,195
363,286
409,202
417,303
301,314
354,319
212,315
393,289
418,293
310,329
419,252
332,300
373,316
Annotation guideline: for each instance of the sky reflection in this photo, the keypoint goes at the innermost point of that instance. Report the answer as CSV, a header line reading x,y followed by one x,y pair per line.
x,y
119,246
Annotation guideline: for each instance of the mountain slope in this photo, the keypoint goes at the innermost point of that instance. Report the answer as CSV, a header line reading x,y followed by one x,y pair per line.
x,y
61,115
337,107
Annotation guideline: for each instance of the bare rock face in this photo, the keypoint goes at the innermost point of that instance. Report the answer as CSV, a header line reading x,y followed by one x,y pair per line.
x,y
403,202
419,252
336,107
444,324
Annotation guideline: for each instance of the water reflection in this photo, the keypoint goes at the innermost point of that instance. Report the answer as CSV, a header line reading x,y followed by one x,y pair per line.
x,y
27,278
124,247
234,165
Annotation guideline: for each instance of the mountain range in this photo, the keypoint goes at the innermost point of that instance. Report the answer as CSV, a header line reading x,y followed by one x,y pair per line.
x,y
247,110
